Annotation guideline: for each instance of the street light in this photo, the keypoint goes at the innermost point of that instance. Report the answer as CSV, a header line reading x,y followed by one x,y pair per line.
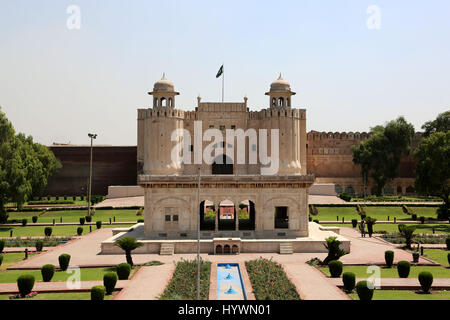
x,y
92,136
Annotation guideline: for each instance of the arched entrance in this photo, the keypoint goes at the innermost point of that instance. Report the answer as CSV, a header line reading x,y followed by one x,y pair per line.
x,y
219,249
227,215
246,214
207,216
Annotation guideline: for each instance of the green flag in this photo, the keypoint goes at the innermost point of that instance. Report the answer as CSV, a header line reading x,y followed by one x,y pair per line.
x,y
220,72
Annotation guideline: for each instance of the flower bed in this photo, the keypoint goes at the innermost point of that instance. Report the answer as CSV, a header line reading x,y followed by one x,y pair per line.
x,y
183,285
269,281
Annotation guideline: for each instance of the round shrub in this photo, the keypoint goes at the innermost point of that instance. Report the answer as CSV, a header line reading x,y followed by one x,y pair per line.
x,y
2,245
403,268
98,293
349,280
64,260
447,243
354,223
39,245
82,220
1,259
109,281
34,219
48,231
98,224
88,219
389,258
79,231
123,271
422,219
414,217
364,289
25,284
47,272
426,280
448,258
24,222
335,268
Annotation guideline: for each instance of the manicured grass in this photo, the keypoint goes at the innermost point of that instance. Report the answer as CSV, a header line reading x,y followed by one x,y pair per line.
x,y
380,213
406,295
11,258
87,274
36,231
75,215
183,285
269,281
57,296
438,255
361,271
391,227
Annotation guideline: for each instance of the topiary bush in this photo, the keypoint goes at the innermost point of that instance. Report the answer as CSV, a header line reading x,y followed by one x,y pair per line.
x,y
34,219
335,268
354,223
414,217
2,245
25,284
389,258
426,280
98,224
48,231
39,245
349,280
24,222
422,219
88,219
403,268
1,259
123,271
448,258
47,272
82,220
79,231
64,261
447,243
109,281
364,289
98,293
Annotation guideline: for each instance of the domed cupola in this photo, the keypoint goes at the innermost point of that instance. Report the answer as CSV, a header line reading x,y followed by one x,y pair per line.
x,y
163,93
280,93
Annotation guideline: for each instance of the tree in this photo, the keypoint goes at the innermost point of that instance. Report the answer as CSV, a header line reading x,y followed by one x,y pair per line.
x,y
334,251
379,156
128,244
25,166
433,169
370,222
441,124
407,232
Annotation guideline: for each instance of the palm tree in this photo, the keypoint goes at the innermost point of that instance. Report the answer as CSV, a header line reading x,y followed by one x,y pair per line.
x,y
370,222
128,244
407,232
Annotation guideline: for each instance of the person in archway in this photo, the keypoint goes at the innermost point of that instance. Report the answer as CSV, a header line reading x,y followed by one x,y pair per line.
x,y
362,228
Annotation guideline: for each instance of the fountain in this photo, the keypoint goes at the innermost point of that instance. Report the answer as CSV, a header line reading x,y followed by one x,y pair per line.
x,y
229,282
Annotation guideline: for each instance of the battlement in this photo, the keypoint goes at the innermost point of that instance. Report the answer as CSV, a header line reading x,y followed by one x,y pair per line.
x,y
160,113
270,113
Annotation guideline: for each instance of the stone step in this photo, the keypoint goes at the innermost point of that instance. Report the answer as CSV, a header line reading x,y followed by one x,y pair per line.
x,y
286,248
167,249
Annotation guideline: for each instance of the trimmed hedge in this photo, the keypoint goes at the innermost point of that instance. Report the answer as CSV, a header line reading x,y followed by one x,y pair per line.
x,y
403,268
82,220
79,231
2,245
1,259
354,223
335,268
24,222
98,224
39,245
426,280
109,282
349,280
363,290
389,258
64,261
25,284
123,271
88,219
48,231
47,272
98,293
447,243
34,219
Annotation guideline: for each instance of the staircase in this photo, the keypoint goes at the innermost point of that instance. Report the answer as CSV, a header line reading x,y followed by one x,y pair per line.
x,y
167,249
286,248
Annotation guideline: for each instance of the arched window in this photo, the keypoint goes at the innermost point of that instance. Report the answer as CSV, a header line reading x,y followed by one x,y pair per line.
x,y
288,102
219,249
274,102
163,102
170,102
280,102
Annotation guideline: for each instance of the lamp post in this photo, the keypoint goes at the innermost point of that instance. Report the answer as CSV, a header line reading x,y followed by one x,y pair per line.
x,y
198,237
92,136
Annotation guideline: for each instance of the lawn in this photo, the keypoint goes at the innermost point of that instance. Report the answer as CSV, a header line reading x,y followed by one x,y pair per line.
x,y
36,231
124,215
380,213
57,296
361,271
438,255
183,285
391,227
406,295
269,281
11,258
87,274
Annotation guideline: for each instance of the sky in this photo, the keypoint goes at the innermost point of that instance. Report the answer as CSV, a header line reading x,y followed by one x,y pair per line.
x,y
353,65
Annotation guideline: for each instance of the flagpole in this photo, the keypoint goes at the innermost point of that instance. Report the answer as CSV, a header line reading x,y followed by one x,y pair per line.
x,y
223,82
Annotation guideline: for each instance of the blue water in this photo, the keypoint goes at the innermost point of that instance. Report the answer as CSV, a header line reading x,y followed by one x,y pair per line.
x,y
229,282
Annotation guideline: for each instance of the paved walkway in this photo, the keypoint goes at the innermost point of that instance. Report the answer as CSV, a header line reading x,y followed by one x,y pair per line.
x,y
57,286
122,202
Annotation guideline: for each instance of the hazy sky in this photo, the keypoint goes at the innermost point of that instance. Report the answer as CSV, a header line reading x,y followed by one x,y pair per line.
x,y
59,84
